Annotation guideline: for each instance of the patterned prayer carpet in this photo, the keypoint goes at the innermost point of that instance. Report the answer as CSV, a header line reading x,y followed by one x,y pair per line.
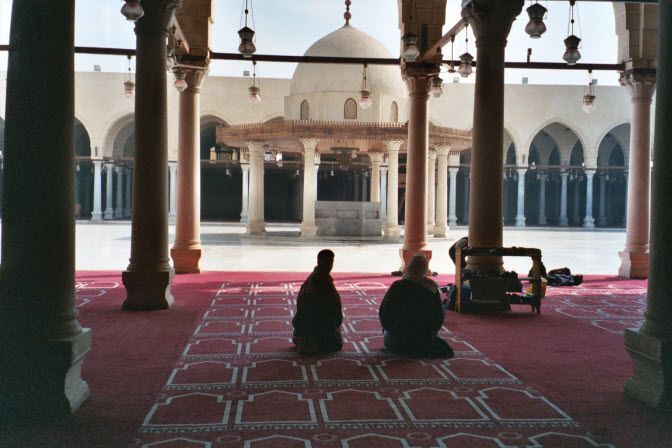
x,y
219,370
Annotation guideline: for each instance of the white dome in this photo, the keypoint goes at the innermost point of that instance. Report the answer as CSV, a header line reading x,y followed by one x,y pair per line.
x,y
311,79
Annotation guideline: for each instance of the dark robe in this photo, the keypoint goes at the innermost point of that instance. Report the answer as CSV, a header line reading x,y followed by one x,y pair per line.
x,y
411,316
318,315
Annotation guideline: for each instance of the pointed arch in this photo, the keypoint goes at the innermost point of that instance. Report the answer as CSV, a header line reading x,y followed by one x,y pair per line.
x,y
350,109
305,110
394,112
81,140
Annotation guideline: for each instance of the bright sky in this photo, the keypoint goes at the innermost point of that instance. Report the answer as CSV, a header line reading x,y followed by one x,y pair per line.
x,y
291,26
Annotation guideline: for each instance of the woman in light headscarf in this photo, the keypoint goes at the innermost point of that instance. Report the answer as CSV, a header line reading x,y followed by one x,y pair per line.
x,y
411,314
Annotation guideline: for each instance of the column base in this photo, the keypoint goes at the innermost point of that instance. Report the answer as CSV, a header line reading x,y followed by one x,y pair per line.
x,y
588,222
602,221
430,229
187,261
520,221
96,216
118,215
109,214
564,222
127,213
42,380
391,232
651,382
406,255
634,264
308,230
440,231
452,221
256,228
147,290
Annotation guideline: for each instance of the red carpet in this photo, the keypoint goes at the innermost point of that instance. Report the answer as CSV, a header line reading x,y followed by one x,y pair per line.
x,y
219,371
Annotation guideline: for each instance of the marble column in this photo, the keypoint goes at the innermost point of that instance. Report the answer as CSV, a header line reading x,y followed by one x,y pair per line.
x,y
602,218
452,204
520,215
149,275
415,222
563,199
491,22
391,229
317,174
109,177
245,168
635,255
651,346
308,226
129,184
43,345
255,219
376,160
431,191
465,196
542,199
172,190
588,220
441,218
383,195
119,204
97,212
187,249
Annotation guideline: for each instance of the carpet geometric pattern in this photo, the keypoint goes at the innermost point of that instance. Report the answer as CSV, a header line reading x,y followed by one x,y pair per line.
x,y
87,291
240,384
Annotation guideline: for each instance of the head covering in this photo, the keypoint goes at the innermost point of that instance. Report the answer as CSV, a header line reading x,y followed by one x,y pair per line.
x,y
416,271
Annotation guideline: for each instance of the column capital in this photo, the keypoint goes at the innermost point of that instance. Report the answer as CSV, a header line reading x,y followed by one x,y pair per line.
x,y
491,20
383,169
442,151
641,84
521,170
245,166
393,145
157,17
431,154
454,160
417,84
309,143
194,78
564,174
376,157
255,148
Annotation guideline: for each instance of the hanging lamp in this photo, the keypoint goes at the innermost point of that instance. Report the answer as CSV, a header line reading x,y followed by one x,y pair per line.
x,y
254,89
409,40
572,53
247,47
132,10
536,26
589,96
451,64
180,82
129,85
466,58
365,100
436,87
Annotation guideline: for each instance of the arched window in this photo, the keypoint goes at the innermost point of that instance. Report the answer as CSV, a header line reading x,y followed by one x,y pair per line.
x,y
350,109
394,112
305,110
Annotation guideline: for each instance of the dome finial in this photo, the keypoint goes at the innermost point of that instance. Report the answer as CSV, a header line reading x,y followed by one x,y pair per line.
x,y
347,14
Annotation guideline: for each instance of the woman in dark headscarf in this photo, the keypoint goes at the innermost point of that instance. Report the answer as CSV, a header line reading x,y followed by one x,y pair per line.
x,y
411,314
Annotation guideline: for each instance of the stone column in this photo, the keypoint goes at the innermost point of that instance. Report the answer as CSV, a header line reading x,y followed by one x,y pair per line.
x,y
563,199
520,215
635,255
651,346
317,173
415,223
109,175
308,227
491,22
255,220
148,276
43,345
391,229
129,178
245,167
577,188
376,160
365,186
542,199
119,205
452,207
187,250
602,219
431,191
465,196
172,189
97,212
441,218
589,221
383,195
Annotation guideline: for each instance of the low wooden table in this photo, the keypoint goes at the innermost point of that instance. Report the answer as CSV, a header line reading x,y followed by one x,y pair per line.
x,y
494,289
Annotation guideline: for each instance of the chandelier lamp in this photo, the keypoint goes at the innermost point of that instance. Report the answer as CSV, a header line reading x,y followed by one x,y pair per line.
x,y
451,65
365,100
132,10
409,40
254,89
436,87
589,96
129,85
536,27
180,83
466,58
572,53
246,47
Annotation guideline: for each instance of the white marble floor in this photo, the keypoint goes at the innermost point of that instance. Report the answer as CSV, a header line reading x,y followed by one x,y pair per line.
x,y
106,246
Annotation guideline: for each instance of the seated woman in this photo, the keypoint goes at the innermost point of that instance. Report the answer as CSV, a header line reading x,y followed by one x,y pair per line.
x,y
412,314
318,311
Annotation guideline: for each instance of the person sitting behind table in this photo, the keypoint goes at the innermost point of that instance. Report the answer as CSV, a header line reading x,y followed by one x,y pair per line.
x,y
411,314
318,311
